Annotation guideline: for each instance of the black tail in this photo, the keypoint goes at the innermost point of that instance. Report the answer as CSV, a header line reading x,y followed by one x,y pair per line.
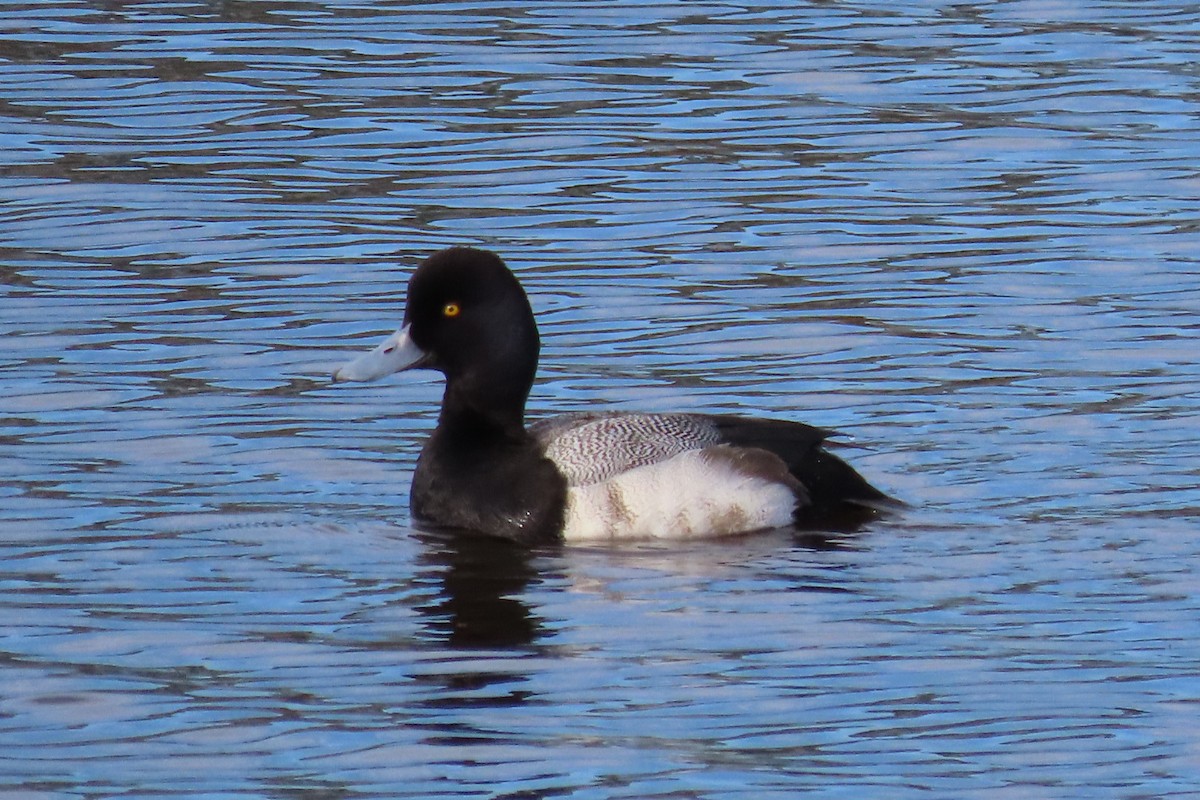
x,y
839,498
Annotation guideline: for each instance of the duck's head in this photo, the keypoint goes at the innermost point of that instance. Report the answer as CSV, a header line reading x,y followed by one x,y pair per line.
x,y
467,317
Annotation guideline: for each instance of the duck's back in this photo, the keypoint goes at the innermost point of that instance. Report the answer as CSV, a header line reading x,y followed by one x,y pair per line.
x,y
590,447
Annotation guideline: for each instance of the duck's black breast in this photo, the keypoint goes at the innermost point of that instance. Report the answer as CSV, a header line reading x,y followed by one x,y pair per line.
x,y
496,485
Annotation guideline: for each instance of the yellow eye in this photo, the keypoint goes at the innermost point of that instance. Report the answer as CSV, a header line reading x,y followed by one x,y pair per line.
x,y
451,310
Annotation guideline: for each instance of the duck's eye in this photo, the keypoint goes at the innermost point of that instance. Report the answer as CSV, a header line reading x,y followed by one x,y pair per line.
x,y
451,310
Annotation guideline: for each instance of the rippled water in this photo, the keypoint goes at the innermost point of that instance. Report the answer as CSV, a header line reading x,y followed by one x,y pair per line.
x,y
964,234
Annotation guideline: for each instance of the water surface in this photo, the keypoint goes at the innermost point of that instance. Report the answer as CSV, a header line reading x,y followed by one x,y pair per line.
x,y
964,235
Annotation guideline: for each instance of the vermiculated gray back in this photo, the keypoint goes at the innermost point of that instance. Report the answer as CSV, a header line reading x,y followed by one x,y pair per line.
x,y
592,447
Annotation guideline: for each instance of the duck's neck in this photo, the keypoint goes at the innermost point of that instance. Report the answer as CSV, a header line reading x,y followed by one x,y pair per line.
x,y
483,410
485,397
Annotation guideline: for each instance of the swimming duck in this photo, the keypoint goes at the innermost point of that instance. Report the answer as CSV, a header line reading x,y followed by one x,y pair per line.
x,y
590,476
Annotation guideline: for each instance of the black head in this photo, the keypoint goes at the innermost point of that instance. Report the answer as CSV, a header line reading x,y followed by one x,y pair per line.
x,y
469,315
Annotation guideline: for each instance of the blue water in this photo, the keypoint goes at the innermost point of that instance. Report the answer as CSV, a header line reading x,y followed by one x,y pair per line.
x,y
963,235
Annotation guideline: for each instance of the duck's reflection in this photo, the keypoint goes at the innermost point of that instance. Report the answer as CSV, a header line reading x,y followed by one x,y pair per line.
x,y
483,581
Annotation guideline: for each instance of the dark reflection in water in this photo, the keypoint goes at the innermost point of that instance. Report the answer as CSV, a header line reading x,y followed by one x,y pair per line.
x,y
962,234
483,581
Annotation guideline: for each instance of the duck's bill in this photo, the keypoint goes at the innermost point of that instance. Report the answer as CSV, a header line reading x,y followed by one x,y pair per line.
x,y
395,353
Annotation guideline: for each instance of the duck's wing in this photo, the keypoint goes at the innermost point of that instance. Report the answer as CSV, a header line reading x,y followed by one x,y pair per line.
x,y
830,480
593,447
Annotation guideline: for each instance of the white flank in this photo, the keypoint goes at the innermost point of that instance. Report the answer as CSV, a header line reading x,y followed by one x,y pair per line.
x,y
689,496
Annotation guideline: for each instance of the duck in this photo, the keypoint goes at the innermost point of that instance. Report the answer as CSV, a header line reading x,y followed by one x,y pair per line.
x,y
595,475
